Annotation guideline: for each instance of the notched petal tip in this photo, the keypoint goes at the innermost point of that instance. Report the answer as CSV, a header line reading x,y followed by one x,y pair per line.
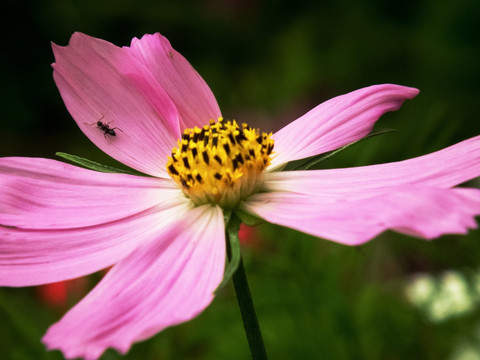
x,y
81,36
76,35
147,37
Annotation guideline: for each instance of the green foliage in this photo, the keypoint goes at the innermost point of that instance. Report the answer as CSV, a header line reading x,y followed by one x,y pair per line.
x,y
89,164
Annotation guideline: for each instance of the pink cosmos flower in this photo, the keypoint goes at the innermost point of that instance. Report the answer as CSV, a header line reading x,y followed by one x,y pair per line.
x,y
164,233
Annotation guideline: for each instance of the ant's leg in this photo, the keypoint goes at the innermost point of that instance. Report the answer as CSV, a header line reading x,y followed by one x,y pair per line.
x,y
117,128
96,122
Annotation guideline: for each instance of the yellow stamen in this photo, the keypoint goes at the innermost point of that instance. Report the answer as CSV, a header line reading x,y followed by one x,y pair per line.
x,y
220,163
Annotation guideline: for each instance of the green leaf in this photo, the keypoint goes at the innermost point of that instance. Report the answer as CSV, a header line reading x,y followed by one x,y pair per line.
x,y
89,164
314,160
248,219
231,233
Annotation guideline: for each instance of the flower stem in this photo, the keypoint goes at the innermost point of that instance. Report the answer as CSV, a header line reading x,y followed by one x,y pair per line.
x,y
245,303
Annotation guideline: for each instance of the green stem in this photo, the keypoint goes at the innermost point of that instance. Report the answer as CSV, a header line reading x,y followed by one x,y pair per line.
x,y
247,309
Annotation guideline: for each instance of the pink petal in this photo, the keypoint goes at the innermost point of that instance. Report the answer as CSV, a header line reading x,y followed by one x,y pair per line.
x,y
353,205
442,169
337,122
193,98
421,211
58,221
167,282
47,194
33,257
99,81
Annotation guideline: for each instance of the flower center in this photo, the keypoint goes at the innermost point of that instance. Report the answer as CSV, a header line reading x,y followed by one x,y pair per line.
x,y
221,163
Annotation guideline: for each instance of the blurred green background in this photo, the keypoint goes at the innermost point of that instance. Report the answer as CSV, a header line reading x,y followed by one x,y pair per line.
x,y
269,62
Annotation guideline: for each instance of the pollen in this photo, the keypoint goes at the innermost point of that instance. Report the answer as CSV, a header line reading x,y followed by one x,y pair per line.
x,y
221,163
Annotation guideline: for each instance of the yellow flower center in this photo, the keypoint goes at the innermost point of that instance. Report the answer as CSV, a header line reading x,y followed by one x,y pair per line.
x,y
221,163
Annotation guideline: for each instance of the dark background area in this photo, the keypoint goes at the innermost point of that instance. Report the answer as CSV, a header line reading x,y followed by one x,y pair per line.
x,y
268,62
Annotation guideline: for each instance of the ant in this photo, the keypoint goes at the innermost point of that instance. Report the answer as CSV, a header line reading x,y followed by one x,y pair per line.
x,y
105,127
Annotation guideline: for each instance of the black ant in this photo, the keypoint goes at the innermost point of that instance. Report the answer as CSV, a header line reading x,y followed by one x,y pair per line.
x,y
105,127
